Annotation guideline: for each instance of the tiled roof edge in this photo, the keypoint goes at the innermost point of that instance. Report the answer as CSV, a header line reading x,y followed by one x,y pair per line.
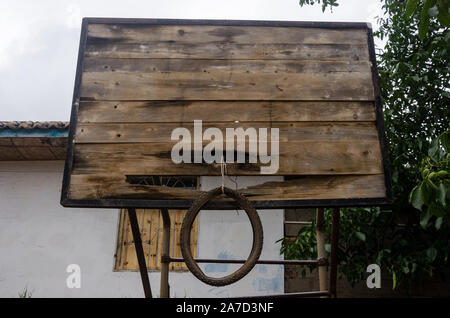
x,y
33,125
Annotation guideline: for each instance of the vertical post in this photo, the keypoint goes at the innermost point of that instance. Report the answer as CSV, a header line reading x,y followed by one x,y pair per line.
x,y
334,251
140,252
321,253
165,255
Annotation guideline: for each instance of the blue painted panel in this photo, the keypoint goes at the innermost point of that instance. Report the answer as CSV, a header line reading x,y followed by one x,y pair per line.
x,y
51,133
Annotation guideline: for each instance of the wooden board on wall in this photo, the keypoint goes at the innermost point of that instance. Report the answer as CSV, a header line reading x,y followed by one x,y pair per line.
x,y
138,79
151,229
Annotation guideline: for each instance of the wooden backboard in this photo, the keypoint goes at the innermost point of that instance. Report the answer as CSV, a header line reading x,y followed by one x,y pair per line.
x,y
138,79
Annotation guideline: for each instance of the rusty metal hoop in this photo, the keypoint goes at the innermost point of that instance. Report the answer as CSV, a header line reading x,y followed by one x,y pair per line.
x,y
185,237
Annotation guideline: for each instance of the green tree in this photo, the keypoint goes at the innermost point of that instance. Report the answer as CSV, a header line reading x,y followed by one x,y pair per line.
x,y
414,76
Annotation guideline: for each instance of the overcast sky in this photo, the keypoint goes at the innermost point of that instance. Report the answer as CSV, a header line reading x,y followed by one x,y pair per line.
x,y
39,40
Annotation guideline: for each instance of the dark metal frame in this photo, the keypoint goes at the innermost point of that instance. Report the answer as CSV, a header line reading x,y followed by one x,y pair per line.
x,y
166,259
261,204
140,252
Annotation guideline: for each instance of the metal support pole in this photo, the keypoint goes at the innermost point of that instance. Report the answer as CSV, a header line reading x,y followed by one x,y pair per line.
x,y
321,253
319,262
324,294
334,251
165,255
140,252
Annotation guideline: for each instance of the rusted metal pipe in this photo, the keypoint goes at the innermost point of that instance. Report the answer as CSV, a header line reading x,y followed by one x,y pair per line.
x,y
293,295
319,262
334,251
140,252
321,253
165,254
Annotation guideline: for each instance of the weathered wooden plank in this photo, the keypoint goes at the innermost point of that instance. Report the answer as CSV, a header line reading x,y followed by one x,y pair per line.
x,y
144,222
35,148
119,255
227,111
8,150
194,239
296,158
340,187
175,237
159,242
6,142
37,153
155,240
124,33
288,131
303,188
225,50
226,86
59,153
130,258
144,65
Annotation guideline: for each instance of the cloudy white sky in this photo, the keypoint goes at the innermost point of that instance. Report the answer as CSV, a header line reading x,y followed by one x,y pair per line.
x,y
39,45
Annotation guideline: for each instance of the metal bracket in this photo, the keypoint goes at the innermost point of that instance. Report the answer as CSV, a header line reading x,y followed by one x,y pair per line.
x,y
165,259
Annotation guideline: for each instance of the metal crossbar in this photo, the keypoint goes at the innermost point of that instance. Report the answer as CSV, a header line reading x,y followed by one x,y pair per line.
x,y
166,260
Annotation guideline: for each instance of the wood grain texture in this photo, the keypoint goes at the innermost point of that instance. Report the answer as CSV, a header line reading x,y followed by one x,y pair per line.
x,y
150,226
140,81
155,239
288,131
296,158
215,51
32,148
226,86
303,188
223,111
107,33
8,151
168,65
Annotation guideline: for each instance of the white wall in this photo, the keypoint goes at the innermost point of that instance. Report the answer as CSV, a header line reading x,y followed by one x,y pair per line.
x,y
39,239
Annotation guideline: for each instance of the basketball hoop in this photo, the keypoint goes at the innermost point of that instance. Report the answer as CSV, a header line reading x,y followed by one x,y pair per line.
x,y
185,236
145,87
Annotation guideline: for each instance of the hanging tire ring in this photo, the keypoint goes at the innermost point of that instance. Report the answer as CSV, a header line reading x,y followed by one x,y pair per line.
x,y
185,237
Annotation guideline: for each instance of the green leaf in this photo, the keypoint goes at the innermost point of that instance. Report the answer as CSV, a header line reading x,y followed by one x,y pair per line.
x,y
411,7
442,193
395,176
405,269
431,254
394,280
444,16
428,193
424,20
424,218
445,140
327,248
361,236
438,223
433,11
433,147
436,211
444,19
416,198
